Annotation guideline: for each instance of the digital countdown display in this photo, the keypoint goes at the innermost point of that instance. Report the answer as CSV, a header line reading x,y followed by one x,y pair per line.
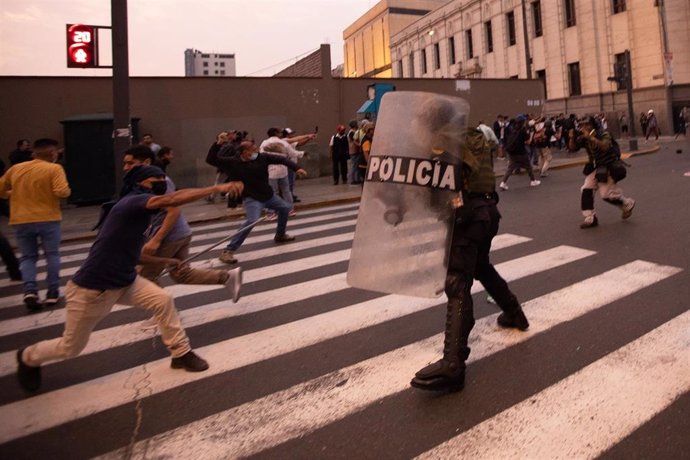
x,y
81,46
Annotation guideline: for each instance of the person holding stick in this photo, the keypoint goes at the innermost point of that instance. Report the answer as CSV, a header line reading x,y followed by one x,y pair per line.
x,y
108,276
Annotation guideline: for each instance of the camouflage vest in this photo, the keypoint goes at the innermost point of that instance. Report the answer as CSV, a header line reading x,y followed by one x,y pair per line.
x,y
479,162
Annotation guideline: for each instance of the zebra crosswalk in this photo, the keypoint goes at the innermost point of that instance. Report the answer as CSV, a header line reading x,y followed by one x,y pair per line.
x,y
304,362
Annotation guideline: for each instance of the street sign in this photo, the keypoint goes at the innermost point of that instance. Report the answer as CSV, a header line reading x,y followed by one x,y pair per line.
x,y
82,50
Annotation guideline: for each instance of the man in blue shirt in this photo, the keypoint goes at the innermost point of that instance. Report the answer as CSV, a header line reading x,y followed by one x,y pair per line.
x,y
108,276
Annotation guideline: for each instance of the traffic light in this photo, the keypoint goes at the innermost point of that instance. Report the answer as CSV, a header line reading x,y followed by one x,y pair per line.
x,y
81,46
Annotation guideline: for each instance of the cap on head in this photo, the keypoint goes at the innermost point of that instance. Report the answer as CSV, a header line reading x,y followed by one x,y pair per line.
x,y
650,111
288,131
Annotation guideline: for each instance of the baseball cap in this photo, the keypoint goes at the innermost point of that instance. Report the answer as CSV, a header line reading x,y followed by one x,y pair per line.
x,y
288,131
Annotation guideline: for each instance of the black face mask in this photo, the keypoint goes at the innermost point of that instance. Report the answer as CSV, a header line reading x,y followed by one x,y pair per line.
x,y
159,187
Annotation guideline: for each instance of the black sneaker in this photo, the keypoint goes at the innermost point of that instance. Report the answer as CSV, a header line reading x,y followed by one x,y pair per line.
x,y
52,298
516,320
284,238
189,362
31,301
29,376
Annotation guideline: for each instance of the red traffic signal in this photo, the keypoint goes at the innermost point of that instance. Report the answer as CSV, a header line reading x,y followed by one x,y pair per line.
x,y
81,46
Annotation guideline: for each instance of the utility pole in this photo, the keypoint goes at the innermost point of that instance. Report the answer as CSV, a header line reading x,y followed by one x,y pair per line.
x,y
629,91
122,128
668,67
528,59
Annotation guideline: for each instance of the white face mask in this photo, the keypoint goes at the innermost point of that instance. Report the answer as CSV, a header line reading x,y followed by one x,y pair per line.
x,y
254,156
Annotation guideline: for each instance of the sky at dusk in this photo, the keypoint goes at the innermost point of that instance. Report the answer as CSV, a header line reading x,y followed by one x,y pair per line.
x,y
265,35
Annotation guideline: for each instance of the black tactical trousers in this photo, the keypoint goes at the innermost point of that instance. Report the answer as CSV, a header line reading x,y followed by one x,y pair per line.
x,y
469,260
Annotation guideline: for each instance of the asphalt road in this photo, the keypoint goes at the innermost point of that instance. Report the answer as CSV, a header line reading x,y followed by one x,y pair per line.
x,y
306,367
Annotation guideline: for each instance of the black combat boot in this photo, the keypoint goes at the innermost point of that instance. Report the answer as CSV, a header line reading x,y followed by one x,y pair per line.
x,y
448,373
513,316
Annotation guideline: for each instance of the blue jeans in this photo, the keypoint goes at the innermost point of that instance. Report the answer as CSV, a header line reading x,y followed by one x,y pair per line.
x,y
356,173
253,209
28,236
281,187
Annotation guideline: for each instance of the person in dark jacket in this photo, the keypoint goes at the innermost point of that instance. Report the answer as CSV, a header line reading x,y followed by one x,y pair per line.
x,y
601,155
22,153
251,167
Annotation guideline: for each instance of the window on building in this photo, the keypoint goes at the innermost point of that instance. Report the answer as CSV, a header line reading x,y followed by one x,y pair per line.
x,y
510,21
205,55
424,69
215,72
215,64
451,50
618,6
569,6
541,75
574,79
470,48
205,72
222,64
620,71
536,17
412,64
205,64
437,56
513,77
489,37
222,72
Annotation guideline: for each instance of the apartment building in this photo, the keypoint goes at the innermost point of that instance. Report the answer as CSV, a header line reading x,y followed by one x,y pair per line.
x,y
367,40
200,64
572,45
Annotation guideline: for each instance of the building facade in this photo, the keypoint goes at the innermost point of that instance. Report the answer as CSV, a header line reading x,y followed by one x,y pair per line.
x,y
200,64
367,40
572,45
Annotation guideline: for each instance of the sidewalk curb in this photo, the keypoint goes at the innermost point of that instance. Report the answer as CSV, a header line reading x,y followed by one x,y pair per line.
x,y
238,215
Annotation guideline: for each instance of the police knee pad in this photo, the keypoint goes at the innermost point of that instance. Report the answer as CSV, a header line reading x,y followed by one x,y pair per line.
x,y
456,284
587,199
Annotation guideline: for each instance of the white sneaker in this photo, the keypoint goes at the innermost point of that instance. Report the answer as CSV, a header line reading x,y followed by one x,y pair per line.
x,y
503,186
234,283
534,183
628,209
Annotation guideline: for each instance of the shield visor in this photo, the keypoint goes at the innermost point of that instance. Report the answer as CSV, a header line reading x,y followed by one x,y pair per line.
x,y
405,219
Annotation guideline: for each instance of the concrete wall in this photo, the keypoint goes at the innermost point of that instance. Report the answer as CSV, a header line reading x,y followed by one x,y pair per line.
x,y
187,113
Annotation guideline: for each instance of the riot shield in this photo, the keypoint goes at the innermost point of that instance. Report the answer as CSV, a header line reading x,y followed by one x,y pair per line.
x,y
405,219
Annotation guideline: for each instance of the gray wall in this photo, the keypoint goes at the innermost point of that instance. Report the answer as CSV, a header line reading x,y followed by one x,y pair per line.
x,y
186,113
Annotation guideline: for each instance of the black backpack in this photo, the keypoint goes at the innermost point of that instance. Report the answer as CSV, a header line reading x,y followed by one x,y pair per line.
x,y
513,146
616,168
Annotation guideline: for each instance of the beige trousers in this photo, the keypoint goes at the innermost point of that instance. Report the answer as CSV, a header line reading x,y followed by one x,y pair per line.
x,y
179,249
85,308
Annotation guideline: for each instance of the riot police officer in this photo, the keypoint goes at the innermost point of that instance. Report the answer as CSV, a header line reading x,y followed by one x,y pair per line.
x,y
602,171
476,224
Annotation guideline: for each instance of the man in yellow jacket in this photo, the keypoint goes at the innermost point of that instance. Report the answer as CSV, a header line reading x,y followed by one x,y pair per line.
x,y
35,188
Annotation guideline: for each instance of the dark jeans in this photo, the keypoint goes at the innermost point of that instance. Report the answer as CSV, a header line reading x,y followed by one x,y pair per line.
x,y
340,169
515,162
8,257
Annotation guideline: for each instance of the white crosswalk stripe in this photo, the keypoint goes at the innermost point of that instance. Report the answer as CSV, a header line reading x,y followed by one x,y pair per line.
x,y
298,410
281,416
